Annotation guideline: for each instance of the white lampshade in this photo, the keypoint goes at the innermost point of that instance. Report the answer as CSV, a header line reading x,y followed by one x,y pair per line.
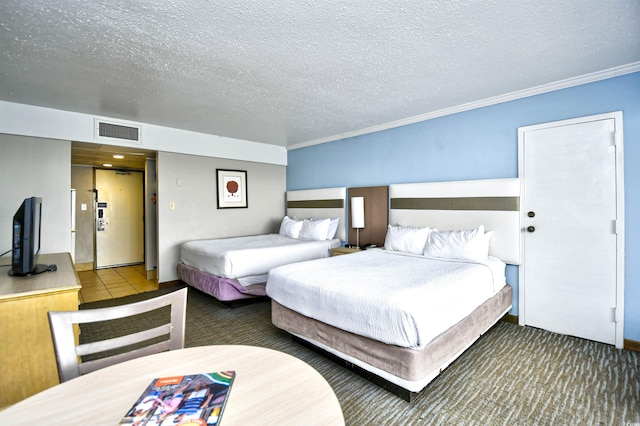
x,y
357,212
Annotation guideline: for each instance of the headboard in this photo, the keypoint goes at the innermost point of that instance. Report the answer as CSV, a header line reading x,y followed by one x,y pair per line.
x,y
323,202
494,203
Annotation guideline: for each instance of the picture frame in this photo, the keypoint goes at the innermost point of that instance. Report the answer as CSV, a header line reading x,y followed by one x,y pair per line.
x,y
232,189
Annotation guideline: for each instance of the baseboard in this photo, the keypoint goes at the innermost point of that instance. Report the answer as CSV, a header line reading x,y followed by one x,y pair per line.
x,y
84,266
511,319
631,345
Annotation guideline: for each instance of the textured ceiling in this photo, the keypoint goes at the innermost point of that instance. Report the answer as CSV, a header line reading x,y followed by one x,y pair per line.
x,y
290,72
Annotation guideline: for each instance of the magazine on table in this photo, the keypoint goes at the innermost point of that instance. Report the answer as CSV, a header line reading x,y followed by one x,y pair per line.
x,y
189,400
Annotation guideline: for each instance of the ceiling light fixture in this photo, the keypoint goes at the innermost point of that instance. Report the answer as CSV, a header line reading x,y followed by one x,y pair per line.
x,y
118,156
108,165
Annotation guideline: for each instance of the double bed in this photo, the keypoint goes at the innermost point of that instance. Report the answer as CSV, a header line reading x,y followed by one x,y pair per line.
x,y
236,268
402,314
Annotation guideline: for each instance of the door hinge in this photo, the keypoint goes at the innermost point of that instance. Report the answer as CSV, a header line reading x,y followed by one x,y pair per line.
x,y
614,226
613,138
613,315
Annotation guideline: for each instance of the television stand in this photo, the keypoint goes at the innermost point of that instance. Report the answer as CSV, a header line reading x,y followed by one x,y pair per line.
x,y
28,361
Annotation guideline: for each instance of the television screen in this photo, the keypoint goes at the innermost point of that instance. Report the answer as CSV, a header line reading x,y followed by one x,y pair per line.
x,y
26,238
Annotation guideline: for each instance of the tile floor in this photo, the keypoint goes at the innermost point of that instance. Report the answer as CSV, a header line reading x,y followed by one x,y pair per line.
x,y
110,283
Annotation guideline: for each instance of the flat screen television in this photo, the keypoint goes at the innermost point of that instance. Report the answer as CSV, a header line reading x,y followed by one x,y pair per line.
x,y
26,238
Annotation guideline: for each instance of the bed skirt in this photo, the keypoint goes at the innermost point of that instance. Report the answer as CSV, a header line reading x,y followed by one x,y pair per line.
x,y
223,289
408,365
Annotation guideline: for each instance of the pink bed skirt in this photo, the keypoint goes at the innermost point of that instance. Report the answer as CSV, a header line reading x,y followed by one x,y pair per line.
x,y
223,289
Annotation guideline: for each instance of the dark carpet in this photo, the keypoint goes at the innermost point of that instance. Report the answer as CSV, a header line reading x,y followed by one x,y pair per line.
x,y
512,376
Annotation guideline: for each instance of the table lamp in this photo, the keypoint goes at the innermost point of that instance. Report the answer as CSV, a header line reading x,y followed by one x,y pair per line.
x,y
357,216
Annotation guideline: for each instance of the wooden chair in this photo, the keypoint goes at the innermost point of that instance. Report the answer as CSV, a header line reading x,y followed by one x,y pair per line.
x,y
68,353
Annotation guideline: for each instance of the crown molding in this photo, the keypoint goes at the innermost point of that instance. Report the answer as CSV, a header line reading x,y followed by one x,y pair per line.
x,y
520,94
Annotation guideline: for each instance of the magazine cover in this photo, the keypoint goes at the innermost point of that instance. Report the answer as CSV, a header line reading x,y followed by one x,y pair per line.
x,y
190,400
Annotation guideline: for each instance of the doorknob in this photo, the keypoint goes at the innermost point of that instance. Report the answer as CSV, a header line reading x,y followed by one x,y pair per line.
x,y
531,229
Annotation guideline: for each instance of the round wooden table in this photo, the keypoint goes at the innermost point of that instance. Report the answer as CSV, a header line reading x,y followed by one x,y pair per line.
x,y
270,387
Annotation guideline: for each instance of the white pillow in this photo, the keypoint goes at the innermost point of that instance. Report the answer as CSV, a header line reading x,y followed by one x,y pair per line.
x,y
290,227
315,229
408,239
488,236
466,245
333,228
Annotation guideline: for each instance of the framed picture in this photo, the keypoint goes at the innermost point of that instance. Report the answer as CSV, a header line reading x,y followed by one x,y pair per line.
x,y
232,189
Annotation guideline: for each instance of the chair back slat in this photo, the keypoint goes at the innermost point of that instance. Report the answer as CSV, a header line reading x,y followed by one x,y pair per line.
x,y
122,341
97,364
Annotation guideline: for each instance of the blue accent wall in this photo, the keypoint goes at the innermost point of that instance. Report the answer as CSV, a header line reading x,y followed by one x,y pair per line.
x,y
483,144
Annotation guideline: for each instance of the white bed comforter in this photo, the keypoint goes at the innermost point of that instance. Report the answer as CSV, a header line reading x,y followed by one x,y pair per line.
x,y
396,298
251,255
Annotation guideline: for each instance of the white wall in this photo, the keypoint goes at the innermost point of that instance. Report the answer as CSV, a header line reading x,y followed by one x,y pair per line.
x,y
190,183
82,181
36,167
27,120
150,215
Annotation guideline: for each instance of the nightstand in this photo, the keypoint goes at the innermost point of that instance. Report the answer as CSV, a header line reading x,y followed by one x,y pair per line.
x,y
344,250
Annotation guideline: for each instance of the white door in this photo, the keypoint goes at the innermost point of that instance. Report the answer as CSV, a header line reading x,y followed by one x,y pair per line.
x,y
119,218
569,279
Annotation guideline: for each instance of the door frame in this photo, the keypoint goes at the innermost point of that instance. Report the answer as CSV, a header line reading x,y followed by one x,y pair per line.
x,y
620,234
95,217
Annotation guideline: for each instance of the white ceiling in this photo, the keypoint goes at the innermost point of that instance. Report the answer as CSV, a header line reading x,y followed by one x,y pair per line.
x,y
294,72
98,155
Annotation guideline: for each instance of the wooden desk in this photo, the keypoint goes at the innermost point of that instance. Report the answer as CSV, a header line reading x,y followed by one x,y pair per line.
x,y
27,360
270,388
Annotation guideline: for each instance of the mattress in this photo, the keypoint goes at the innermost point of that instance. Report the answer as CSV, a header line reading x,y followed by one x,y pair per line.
x,y
254,255
395,298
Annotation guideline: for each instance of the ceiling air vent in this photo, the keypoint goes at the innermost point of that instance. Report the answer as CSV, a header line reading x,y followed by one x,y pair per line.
x,y
114,131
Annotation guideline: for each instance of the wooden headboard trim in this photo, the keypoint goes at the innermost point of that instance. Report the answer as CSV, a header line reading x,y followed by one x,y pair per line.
x,y
462,203
316,204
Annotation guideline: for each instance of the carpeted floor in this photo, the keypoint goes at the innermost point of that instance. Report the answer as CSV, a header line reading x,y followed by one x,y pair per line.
x,y
512,376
